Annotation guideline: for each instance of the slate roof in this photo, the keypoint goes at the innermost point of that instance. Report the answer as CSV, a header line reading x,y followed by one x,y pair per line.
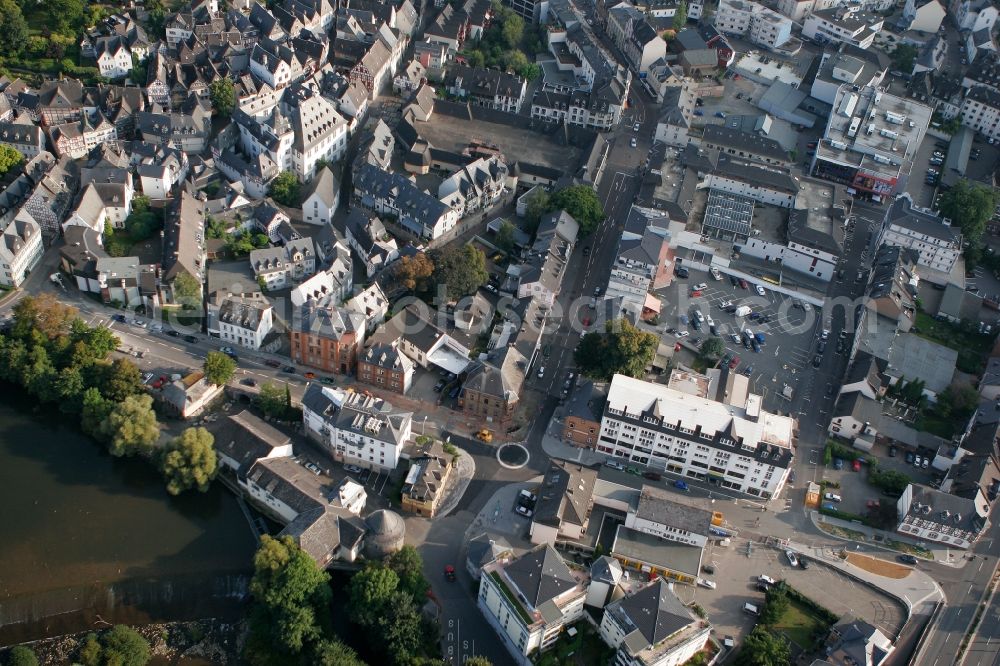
x,y
324,186
566,494
658,507
745,142
541,575
650,615
246,438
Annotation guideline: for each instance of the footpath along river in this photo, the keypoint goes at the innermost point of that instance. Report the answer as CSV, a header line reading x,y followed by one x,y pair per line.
x,y
86,538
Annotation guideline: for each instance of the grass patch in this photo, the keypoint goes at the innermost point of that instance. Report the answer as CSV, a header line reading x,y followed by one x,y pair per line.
x,y
963,338
800,625
912,549
584,649
842,532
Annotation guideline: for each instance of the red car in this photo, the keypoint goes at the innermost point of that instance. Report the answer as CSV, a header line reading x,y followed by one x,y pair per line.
x,y
856,465
449,573
735,362
743,284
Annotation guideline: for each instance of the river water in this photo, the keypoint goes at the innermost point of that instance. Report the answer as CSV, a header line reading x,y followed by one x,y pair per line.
x,y
86,538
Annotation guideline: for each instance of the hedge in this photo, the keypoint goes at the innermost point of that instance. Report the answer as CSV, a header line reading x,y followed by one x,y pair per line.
x,y
844,515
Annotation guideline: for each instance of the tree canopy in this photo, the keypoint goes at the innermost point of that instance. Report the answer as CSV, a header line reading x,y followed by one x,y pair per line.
x,y
285,189
22,655
131,427
762,648
125,646
189,461
903,57
621,349
460,270
680,16
274,400
187,290
411,273
712,349
970,206
223,96
505,236
219,368
291,606
9,157
582,203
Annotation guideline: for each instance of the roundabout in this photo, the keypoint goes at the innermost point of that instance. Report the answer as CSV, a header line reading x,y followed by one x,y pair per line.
x,y
513,456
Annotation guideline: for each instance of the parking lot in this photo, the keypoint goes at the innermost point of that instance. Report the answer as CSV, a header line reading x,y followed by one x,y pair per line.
x,y
736,574
790,332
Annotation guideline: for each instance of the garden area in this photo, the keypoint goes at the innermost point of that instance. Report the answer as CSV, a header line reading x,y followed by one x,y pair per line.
x,y
507,45
584,649
972,347
789,613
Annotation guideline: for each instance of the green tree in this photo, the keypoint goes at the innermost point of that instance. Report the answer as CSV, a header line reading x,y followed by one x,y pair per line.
x,y
621,349
970,206
118,379
411,273
369,593
762,648
477,661
223,96
330,652
512,29
401,628
125,646
285,189
408,567
291,597
187,291
139,72
271,400
94,411
90,652
14,34
680,16
9,157
142,225
538,205
582,203
219,368
712,349
776,605
131,427
189,461
64,16
460,270
22,655
529,72
42,313
884,516
903,57
505,236
141,204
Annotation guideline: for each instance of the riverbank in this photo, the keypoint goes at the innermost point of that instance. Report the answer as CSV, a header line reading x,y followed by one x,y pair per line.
x,y
213,641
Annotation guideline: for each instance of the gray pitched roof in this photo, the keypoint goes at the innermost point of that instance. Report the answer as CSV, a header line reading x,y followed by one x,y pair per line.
x,y
324,185
541,575
566,494
653,614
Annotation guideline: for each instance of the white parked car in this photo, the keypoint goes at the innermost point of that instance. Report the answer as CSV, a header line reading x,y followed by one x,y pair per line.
x,y
760,289
716,275
352,469
792,558
704,582
699,287
833,497
682,334
764,578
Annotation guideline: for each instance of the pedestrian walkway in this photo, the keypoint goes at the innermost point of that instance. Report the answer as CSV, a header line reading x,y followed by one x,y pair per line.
x,y
458,482
879,538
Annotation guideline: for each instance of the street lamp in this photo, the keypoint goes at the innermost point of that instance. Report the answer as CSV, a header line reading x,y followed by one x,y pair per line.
x,y
423,426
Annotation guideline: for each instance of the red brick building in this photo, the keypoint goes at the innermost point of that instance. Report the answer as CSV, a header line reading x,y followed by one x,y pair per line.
x,y
327,338
384,366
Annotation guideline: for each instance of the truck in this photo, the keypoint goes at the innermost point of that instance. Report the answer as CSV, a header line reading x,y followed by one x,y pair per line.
x,y
742,311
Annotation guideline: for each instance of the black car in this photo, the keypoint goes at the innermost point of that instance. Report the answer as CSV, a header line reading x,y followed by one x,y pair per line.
x,y
821,348
696,324
271,363
733,280
586,251
817,361
803,562
248,381
290,369
190,338
119,318
172,333
755,345
681,272
892,451
907,559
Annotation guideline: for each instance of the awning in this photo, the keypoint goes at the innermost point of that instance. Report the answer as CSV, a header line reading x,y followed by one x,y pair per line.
x,y
652,303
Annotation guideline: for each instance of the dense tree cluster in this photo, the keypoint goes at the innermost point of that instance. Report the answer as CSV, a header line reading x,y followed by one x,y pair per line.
x,y
459,270
222,92
189,461
970,206
620,349
9,157
410,273
507,45
580,201
219,368
118,646
285,189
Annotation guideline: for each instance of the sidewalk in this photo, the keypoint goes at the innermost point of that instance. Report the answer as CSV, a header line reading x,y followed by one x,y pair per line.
x,y
916,589
879,538
465,469
554,447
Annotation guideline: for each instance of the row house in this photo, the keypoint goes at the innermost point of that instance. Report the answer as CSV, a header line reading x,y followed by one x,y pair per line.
x,y
763,26
631,32
375,68
369,238
23,135
274,64
62,101
102,204
184,250
600,109
394,194
240,319
54,185
430,53
936,243
187,129
980,111
321,198
486,87
476,186
385,366
327,337
21,249
844,25
540,277
77,138
159,168
355,428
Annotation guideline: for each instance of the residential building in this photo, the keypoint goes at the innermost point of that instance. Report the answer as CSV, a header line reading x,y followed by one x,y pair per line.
x,y
103,203
745,449
114,57
871,140
652,627
928,514
583,414
280,267
980,111
21,249
845,24
354,428
371,304
737,143
331,285
656,514
318,131
924,15
642,264
486,87
492,389
631,31
936,243
427,479
678,106
244,438
385,366
23,135
531,599
392,193
812,243
242,319
327,337
486,549
321,198
159,168
763,26
187,129
188,396
854,642
540,277
368,237
476,186
423,342
183,243
350,495
75,139
851,66
565,500
973,15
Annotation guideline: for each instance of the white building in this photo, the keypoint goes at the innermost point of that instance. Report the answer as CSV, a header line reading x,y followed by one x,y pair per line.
x,y
280,267
351,496
937,244
973,15
924,15
103,203
530,600
658,515
981,112
393,193
322,196
652,627
476,186
114,57
21,249
242,319
845,25
928,514
354,428
763,26
320,133
745,449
